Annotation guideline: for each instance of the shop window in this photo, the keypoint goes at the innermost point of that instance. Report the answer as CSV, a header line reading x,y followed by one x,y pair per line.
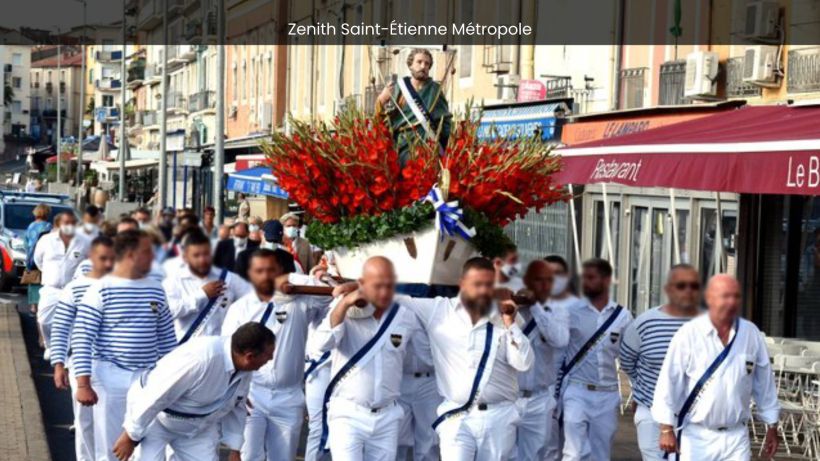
x,y
808,290
718,246
601,247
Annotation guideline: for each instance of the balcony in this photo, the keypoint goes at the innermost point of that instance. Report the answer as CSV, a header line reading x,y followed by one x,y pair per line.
x,y
150,15
52,113
803,70
174,101
178,55
672,83
108,84
193,29
106,114
108,56
190,6
136,73
153,74
62,87
149,118
632,87
49,87
735,86
35,85
202,100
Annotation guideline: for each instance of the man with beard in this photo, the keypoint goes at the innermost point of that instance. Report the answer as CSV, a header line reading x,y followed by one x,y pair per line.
x,y
369,345
123,327
199,294
478,351
547,327
588,379
416,106
277,401
102,260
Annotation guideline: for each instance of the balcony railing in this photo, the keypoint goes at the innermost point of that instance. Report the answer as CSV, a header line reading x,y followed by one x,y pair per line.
x,y
202,101
109,56
52,113
149,117
108,84
136,73
672,83
632,87
175,101
150,14
735,86
804,70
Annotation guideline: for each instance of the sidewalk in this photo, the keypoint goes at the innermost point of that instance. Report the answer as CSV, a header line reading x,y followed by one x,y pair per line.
x,y
21,424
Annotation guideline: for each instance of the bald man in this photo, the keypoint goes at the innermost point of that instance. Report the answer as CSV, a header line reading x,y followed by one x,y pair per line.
x,y
546,325
368,346
716,364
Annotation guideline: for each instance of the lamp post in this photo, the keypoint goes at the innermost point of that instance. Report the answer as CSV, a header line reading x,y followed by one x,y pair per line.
x,y
59,111
219,142
81,117
123,137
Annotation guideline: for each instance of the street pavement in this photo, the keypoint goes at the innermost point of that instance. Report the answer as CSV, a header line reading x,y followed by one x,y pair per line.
x,y
29,431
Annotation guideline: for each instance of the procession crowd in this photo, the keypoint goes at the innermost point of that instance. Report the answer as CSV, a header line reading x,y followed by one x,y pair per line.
x,y
176,337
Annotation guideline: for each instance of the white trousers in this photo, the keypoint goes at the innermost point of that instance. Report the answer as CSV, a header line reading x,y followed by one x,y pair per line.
x,y
480,435
203,446
419,398
535,427
358,434
111,384
45,312
274,425
699,443
590,422
83,424
555,438
315,387
649,434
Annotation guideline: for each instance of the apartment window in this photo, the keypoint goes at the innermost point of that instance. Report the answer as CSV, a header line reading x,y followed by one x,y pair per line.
x,y
234,83
243,89
16,82
49,76
672,83
632,87
90,76
17,59
62,75
49,103
269,79
36,77
108,100
16,107
63,103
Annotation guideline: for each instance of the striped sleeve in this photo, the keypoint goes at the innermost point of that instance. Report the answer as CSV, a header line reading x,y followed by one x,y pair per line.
x,y
166,337
86,328
629,352
64,315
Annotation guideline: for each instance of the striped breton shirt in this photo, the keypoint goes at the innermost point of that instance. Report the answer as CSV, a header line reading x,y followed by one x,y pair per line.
x,y
643,349
64,316
122,321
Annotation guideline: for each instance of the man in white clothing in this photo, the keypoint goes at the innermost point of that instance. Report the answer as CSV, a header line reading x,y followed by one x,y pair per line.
x,y
57,255
547,328
195,393
588,378
478,351
420,399
277,401
369,345
199,294
716,364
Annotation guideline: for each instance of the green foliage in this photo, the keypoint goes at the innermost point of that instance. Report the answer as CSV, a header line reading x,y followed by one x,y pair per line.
x,y
489,240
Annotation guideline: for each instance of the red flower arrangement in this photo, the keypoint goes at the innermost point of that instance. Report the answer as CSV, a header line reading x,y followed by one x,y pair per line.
x,y
350,168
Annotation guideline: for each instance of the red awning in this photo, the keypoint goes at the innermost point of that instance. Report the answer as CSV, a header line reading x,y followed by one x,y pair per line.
x,y
753,149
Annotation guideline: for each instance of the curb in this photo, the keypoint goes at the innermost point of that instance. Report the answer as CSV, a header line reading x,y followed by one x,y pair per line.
x,y
36,445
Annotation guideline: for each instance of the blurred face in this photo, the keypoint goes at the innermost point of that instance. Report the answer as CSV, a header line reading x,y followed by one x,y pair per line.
x,y
249,361
142,218
539,280
593,283
683,289
102,259
240,231
477,290
208,217
125,226
198,258
420,66
378,285
723,298
262,273
143,256
224,232
508,266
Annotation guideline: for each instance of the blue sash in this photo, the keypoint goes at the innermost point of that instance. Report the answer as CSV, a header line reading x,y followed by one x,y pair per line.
x,y
314,364
693,394
266,314
482,364
203,313
337,378
566,367
529,327
417,99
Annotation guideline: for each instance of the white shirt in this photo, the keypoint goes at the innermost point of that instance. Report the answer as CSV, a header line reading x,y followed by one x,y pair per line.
x,y
289,322
566,304
56,261
186,299
374,383
514,284
197,378
173,265
598,366
549,338
725,401
457,346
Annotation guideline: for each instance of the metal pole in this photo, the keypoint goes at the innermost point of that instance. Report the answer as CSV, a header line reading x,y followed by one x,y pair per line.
x,y
82,104
574,230
163,123
719,267
219,142
59,108
673,214
607,224
123,137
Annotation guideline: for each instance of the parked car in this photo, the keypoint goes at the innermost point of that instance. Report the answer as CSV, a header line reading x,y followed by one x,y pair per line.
x,y
15,216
